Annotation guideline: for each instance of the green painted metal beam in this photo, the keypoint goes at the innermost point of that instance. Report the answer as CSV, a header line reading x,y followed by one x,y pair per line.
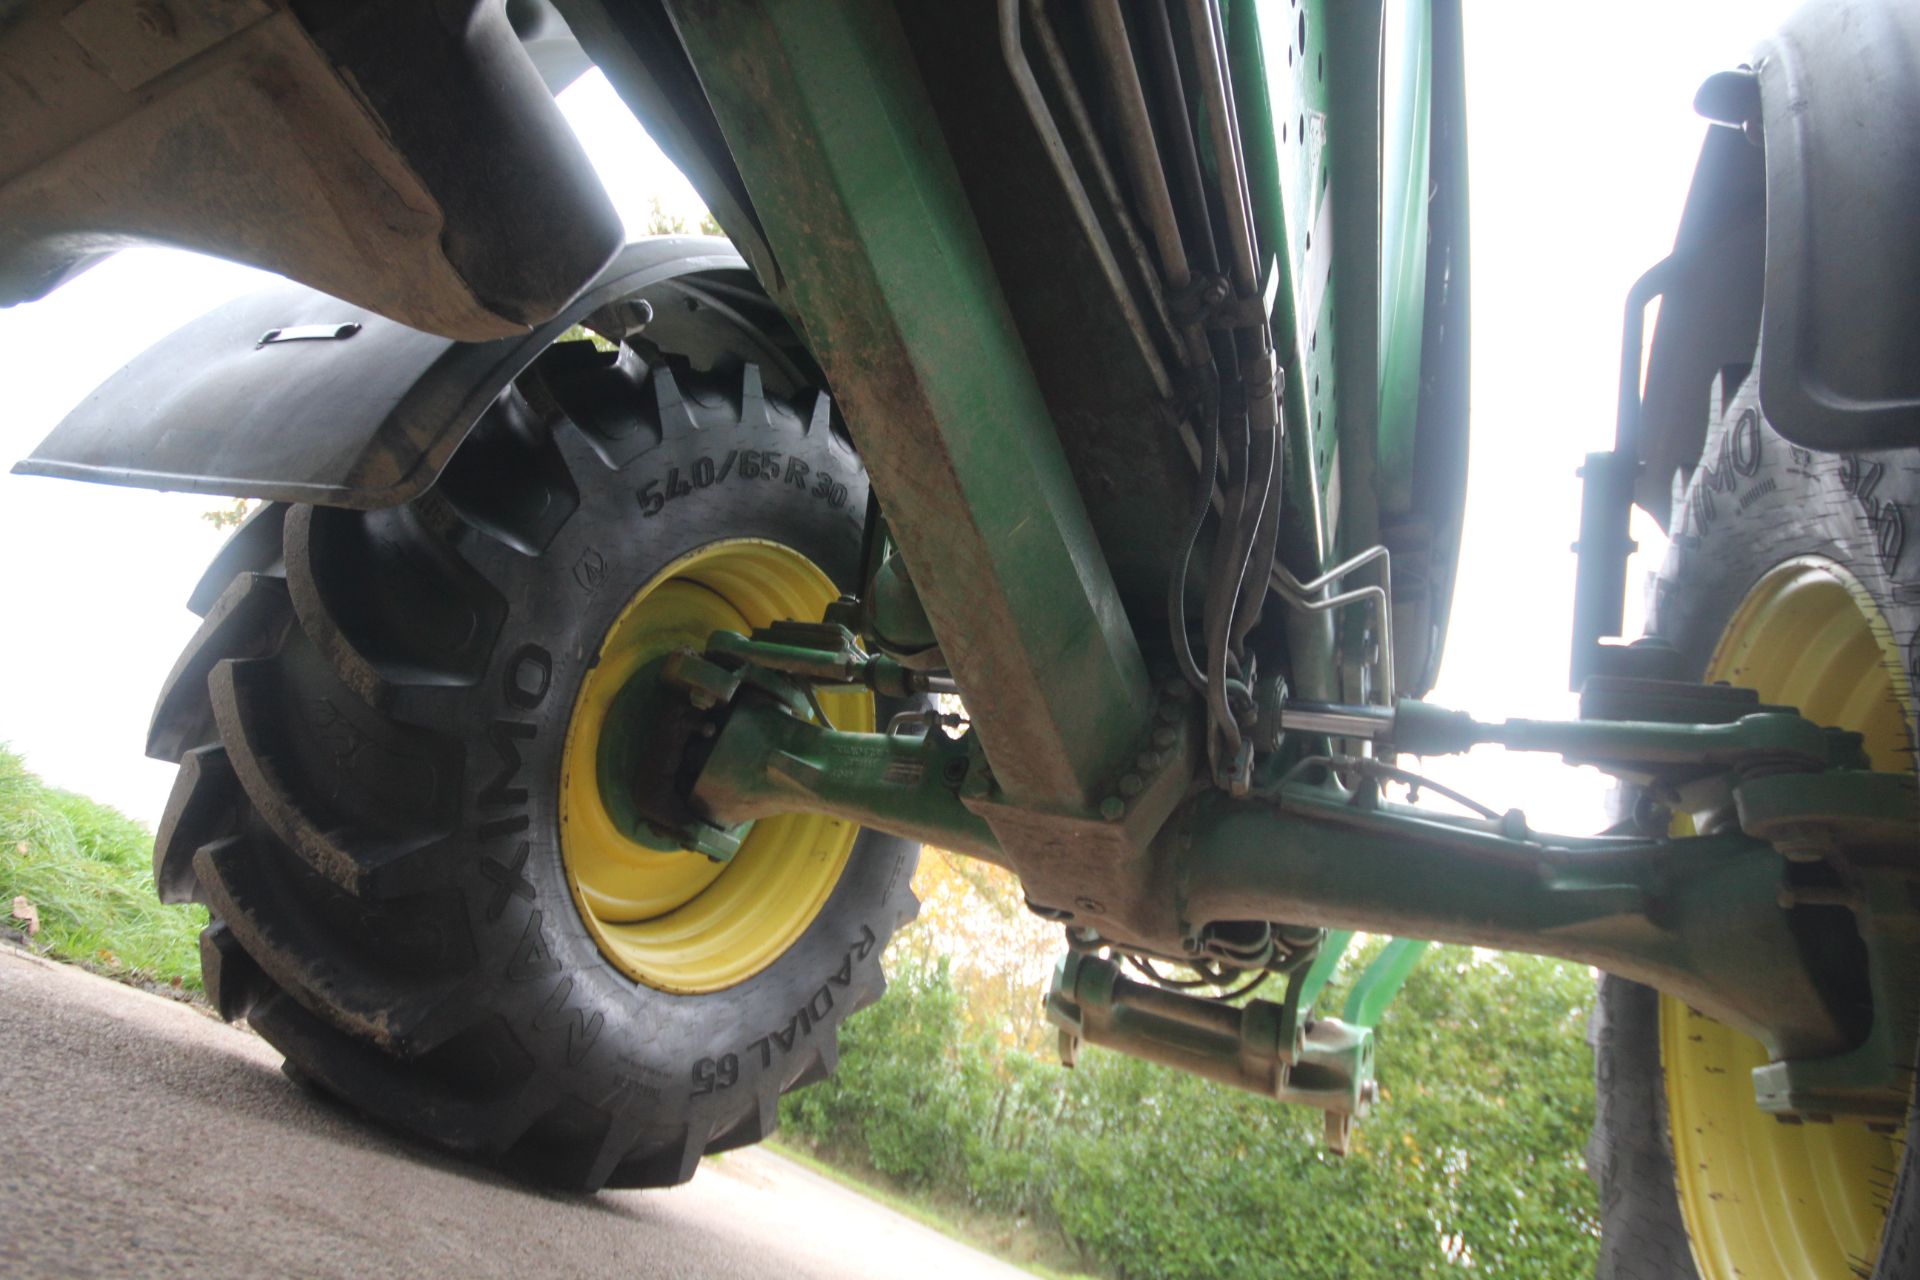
x,y
878,253
1331,949
1377,984
1698,918
768,761
1381,981
1406,102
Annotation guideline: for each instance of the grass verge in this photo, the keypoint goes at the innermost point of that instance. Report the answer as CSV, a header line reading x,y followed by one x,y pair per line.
x,y
1013,1242
86,871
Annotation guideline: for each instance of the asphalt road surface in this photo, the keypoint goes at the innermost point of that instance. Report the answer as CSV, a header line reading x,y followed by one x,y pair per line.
x,y
140,1137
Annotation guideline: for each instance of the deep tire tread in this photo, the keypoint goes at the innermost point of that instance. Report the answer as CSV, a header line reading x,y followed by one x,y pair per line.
x,y
234,983
247,620
410,612
253,548
282,921
510,480
387,1089
206,804
247,701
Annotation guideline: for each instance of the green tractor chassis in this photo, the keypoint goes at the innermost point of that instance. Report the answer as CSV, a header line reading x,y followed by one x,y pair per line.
x,y
1078,771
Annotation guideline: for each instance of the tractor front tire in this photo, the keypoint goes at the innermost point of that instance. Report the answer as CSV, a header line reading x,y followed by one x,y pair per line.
x,y
382,803
1792,573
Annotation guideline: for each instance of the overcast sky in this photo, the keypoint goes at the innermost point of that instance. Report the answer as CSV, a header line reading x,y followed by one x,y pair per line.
x,y
1582,138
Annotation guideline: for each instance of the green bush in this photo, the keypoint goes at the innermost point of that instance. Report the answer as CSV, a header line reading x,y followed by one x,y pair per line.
x,y
1472,1160
87,870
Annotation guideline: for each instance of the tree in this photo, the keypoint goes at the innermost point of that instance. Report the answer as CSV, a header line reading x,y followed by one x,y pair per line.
x,y
662,221
230,515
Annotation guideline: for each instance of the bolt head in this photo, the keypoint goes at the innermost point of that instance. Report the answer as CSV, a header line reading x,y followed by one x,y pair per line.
x,y
154,21
1113,808
1131,785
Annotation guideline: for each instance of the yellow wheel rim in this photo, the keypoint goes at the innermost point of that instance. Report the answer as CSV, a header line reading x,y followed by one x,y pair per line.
x,y
1762,1199
669,917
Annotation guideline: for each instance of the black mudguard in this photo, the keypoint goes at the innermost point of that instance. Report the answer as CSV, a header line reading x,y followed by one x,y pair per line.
x,y
291,395
1840,105
1799,237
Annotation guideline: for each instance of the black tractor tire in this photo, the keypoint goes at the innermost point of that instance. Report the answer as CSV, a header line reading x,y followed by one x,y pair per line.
x,y
1754,502
369,727
1630,1153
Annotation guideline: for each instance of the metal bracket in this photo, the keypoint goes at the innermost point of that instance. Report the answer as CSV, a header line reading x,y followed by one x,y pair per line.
x,y
1261,1046
824,653
1606,502
310,332
768,760
1873,1079
1309,597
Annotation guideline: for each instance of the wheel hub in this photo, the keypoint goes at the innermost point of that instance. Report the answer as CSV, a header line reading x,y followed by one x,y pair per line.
x,y
1761,1198
673,917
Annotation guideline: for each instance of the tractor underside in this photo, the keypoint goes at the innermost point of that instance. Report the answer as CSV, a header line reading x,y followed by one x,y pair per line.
x,y
1149,324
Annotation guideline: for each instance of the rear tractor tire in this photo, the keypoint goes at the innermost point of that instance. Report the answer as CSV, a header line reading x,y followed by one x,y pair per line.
x,y
385,731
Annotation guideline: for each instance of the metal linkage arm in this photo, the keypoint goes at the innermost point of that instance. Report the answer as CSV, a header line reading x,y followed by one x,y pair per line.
x,y
1421,729
768,761
1699,918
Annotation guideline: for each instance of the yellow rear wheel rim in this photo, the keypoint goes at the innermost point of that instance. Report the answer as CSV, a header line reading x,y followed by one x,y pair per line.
x,y
671,918
1764,1200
